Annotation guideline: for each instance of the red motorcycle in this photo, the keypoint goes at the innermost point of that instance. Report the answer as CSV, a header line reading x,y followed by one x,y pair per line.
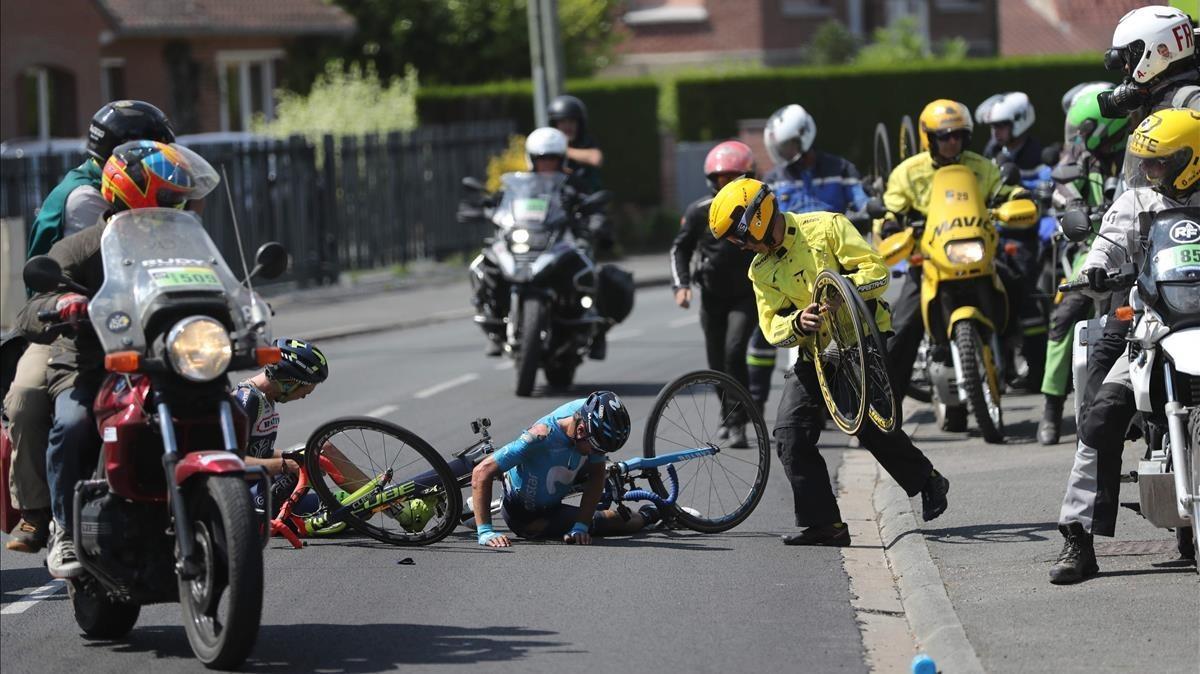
x,y
168,515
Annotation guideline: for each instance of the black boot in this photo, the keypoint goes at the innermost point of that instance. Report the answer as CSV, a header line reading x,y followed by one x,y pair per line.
x,y
1051,426
933,496
1077,559
830,535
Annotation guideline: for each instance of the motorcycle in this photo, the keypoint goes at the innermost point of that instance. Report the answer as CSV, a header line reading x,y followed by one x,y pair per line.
x,y
1164,359
168,515
538,292
963,303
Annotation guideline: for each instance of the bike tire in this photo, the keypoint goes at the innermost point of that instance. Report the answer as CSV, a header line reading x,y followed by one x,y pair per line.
x,y
883,406
97,615
837,352
882,154
751,470
978,380
529,355
422,462
907,143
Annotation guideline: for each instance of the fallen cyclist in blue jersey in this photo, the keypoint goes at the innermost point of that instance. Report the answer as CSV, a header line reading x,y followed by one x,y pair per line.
x,y
562,449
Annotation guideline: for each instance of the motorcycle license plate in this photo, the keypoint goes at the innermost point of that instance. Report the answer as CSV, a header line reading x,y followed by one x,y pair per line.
x,y
186,278
1187,255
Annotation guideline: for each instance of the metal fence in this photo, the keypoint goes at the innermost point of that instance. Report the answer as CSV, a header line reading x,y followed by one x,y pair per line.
x,y
350,203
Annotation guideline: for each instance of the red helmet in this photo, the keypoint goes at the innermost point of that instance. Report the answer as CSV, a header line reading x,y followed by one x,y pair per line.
x,y
731,157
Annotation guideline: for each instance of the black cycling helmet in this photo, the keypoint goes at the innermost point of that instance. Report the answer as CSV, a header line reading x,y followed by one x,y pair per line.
x,y
301,361
606,421
568,107
122,121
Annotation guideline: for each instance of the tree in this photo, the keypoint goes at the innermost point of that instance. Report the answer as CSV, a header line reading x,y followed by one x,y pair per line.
x,y
455,41
901,42
832,44
347,101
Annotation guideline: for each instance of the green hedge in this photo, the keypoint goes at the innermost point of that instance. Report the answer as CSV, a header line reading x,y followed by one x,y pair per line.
x,y
622,117
848,101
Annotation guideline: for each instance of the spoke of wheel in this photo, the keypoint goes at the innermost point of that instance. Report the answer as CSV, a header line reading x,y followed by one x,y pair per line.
x,y
714,488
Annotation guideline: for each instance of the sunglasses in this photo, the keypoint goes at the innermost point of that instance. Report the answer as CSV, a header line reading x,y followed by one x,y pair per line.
x,y
947,135
737,234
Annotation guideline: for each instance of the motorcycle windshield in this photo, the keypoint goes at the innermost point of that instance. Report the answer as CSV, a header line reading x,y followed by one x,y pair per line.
x,y
529,199
1173,260
154,255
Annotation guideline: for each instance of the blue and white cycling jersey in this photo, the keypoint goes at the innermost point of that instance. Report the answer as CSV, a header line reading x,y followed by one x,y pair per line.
x,y
830,184
541,470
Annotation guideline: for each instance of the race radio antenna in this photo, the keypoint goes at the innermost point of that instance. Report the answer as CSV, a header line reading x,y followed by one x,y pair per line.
x,y
237,232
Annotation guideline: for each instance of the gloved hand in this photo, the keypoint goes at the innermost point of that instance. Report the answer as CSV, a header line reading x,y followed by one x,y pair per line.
x,y
890,227
1122,100
1096,278
71,308
578,535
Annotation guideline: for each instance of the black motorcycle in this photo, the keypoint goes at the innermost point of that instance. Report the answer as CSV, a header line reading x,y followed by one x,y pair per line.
x,y
539,295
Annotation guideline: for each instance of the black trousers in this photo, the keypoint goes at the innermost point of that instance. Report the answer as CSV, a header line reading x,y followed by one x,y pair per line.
x,y
907,330
798,428
728,324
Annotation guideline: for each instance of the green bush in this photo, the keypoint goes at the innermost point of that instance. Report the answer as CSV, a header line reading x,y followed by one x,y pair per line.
x,y
347,102
848,101
622,117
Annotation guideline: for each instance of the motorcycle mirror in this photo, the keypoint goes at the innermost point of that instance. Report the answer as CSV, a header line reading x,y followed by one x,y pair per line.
x,y
1010,174
270,261
473,184
1076,225
1066,173
875,207
42,274
1051,153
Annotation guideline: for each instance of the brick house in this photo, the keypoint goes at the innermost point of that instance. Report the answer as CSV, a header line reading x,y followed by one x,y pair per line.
x,y
210,64
1062,26
672,33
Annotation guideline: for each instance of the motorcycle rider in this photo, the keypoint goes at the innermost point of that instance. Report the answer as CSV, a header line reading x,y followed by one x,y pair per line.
x,y
804,178
791,250
1165,151
569,115
1097,144
138,175
727,313
1155,48
945,131
541,467
73,205
1010,116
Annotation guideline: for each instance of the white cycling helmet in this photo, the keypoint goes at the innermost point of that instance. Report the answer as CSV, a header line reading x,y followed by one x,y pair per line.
x,y
545,142
1083,89
1012,107
1148,40
791,122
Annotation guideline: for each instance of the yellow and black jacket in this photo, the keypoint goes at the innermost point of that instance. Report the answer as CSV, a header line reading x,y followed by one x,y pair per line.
x,y
908,186
783,279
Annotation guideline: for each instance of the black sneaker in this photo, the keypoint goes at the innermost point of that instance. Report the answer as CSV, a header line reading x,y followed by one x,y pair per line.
x,y
933,496
1077,559
828,535
31,533
1051,426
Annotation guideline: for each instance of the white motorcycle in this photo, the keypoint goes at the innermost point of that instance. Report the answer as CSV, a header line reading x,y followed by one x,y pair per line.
x,y
1164,367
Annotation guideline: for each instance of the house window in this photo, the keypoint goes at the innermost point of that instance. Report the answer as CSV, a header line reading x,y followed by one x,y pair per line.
x,y
649,12
112,79
46,103
806,9
246,81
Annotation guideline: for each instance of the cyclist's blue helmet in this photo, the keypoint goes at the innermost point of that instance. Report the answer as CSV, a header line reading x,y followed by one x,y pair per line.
x,y
301,361
606,420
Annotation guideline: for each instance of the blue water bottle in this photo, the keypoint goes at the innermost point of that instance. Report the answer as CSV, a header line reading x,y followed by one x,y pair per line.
x,y
923,664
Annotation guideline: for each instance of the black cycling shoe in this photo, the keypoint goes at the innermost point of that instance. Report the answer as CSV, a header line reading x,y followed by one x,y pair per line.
x,y
1051,426
827,535
1077,560
933,496
493,348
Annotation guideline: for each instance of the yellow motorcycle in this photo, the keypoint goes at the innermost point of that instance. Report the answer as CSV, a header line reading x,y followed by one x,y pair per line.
x,y
963,303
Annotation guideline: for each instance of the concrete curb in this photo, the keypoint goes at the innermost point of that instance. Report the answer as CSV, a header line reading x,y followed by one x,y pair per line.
x,y
931,616
432,319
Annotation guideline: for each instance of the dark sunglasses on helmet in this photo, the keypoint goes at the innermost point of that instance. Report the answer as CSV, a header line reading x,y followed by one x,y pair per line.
x,y
947,135
739,232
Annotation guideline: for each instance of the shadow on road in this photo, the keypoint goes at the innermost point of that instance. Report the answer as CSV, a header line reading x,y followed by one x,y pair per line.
x,y
373,647
15,582
991,533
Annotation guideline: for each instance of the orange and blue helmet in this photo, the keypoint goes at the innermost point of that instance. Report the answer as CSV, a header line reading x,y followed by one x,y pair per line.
x,y
150,174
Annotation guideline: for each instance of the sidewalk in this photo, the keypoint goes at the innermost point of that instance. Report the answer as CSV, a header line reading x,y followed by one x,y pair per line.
x,y
379,301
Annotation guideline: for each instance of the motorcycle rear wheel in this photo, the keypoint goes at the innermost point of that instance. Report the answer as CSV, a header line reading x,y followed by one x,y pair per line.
x,y
98,616
529,357
979,381
560,376
222,608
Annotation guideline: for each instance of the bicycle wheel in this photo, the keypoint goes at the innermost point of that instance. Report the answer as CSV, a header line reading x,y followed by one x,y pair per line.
x,y
719,491
882,403
882,165
908,142
414,498
838,354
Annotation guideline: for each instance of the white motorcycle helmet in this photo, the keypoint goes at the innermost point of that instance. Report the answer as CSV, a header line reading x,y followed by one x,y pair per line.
x,y
545,142
791,122
1149,40
1012,107
1083,89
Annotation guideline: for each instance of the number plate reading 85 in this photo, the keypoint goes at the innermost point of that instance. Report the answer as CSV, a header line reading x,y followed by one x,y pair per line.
x,y
1187,255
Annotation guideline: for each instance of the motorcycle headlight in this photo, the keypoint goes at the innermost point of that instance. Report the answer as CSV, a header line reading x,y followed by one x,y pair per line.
x,y
520,236
199,348
965,252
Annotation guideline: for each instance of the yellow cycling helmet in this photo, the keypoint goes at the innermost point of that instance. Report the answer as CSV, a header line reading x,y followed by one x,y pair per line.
x,y
743,210
1167,147
944,116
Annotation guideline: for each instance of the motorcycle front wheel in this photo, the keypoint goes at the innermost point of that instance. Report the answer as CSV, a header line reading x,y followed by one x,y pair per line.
x,y
980,380
222,607
529,355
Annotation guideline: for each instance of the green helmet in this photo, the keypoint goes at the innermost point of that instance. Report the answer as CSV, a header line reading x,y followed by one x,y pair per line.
x,y
1099,134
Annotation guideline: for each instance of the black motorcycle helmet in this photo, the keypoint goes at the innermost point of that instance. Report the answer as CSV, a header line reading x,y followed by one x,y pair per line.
x,y
119,122
568,107
301,361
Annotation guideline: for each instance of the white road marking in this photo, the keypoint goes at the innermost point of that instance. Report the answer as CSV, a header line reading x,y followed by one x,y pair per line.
x,y
686,320
504,365
34,596
381,412
446,385
624,334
